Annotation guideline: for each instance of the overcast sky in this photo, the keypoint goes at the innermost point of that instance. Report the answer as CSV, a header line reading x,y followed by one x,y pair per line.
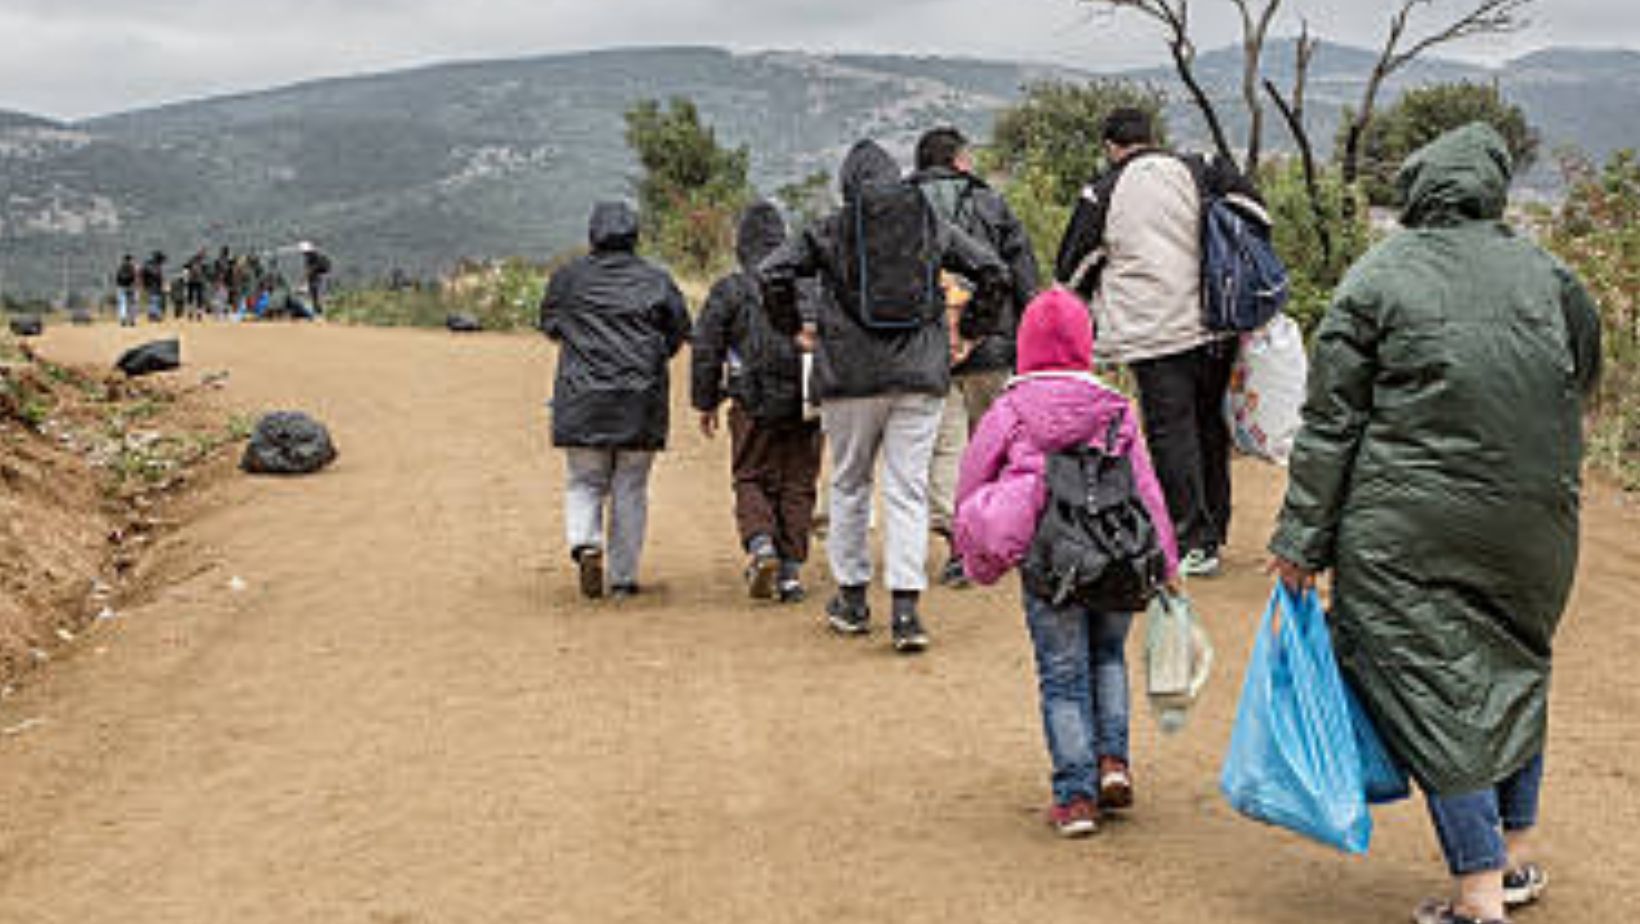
x,y
75,58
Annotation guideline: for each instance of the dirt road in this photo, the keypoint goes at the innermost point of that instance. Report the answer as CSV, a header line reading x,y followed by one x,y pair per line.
x,y
407,716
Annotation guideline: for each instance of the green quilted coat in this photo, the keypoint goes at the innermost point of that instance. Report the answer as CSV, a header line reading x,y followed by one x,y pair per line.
x,y
1437,472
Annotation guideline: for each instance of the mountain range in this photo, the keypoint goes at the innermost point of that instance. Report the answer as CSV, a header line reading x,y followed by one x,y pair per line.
x,y
413,170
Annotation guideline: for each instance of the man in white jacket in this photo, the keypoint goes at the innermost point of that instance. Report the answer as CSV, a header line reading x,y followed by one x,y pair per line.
x,y
1133,248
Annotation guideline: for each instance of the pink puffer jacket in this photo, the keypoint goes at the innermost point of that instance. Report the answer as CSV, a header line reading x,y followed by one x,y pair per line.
x,y
1002,488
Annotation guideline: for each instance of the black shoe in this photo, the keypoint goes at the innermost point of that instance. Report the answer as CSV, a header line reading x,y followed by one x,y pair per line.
x,y
590,560
849,614
623,591
909,637
953,575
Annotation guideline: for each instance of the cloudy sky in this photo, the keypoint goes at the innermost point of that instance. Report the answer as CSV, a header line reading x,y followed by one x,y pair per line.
x,y
75,58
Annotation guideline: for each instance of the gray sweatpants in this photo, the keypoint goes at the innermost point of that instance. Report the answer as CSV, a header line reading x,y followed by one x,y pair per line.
x,y
901,428
620,478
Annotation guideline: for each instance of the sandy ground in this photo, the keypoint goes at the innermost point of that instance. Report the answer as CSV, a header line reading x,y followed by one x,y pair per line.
x,y
406,715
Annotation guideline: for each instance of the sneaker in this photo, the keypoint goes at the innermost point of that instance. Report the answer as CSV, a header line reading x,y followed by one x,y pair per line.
x,y
909,637
1199,563
1076,818
623,591
590,560
762,573
1115,783
953,575
1440,911
1524,885
848,617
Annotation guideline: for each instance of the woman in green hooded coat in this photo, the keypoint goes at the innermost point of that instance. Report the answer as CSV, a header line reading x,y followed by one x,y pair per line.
x,y
1437,476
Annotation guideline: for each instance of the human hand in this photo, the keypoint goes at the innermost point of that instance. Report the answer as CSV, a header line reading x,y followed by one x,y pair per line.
x,y
1296,577
807,339
708,423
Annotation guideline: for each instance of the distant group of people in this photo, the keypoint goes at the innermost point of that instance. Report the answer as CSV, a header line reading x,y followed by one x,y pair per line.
x,y
1436,473
227,286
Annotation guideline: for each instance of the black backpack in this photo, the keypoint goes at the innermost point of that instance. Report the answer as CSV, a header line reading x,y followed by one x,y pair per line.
x,y
891,254
1095,545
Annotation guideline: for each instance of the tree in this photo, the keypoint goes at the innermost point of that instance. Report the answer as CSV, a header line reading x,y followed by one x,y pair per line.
x,y
1056,129
692,186
1424,114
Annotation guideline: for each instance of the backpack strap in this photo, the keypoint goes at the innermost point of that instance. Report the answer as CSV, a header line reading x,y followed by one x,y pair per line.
x,y
1114,432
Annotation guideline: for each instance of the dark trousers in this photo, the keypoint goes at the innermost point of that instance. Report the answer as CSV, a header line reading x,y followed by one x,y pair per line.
x,y
1182,400
776,471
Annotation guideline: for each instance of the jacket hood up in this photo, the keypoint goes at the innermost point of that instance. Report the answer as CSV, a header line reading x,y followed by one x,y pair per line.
x,y
761,233
867,163
1056,334
1461,176
614,226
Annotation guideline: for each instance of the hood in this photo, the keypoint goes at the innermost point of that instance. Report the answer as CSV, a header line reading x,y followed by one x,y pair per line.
x,y
761,233
866,164
614,226
1056,334
1462,175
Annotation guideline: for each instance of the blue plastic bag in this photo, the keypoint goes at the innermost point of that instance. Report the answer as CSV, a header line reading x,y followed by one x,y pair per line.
x,y
1293,760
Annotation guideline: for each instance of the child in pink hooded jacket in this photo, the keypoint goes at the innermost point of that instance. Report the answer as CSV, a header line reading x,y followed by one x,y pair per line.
x,y
1055,403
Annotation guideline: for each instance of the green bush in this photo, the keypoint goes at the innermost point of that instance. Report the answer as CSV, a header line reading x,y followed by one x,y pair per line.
x,y
1313,272
1425,113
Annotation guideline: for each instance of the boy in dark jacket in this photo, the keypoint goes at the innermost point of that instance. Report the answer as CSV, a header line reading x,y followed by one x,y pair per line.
x,y
775,451
881,392
618,319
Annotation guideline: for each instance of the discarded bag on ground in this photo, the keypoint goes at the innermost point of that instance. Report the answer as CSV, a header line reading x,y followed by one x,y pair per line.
x,y
463,324
157,356
288,443
80,317
1294,760
27,325
1267,386
1178,659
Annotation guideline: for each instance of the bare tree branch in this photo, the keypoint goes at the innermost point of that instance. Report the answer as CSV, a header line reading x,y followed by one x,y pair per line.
x,y
1293,112
1484,17
1174,16
1254,29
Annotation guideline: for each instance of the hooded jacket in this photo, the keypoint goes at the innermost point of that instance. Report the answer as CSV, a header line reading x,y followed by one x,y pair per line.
x,y
851,360
969,203
765,369
1437,472
1054,403
618,319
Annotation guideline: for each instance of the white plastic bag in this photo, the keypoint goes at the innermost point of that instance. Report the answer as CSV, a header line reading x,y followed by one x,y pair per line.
x,y
1267,388
1178,659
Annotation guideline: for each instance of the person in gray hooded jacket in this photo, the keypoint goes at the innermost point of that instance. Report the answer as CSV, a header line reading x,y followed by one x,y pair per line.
x,y
618,320
881,393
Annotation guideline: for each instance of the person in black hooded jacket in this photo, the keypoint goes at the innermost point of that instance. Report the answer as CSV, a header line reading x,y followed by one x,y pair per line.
x,y
775,447
880,391
618,320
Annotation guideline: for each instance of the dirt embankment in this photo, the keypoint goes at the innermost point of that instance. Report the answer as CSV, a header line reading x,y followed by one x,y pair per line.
x,y
93,469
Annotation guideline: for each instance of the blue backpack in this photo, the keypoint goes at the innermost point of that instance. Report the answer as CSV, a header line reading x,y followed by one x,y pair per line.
x,y
1244,283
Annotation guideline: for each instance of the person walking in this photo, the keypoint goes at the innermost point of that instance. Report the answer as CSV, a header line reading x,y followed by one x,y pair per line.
x,y
125,290
881,384
1437,477
979,369
1055,404
774,446
1133,248
315,274
618,319
152,277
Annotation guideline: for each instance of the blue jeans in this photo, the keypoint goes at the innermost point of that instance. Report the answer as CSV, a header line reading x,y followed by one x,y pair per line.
x,y
1081,667
125,297
1471,825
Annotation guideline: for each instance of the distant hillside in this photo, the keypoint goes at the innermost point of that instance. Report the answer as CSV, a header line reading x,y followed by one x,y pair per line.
x,y
416,169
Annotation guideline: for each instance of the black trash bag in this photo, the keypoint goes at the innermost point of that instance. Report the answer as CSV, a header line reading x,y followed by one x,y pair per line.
x,y
80,317
288,443
157,356
463,324
27,325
